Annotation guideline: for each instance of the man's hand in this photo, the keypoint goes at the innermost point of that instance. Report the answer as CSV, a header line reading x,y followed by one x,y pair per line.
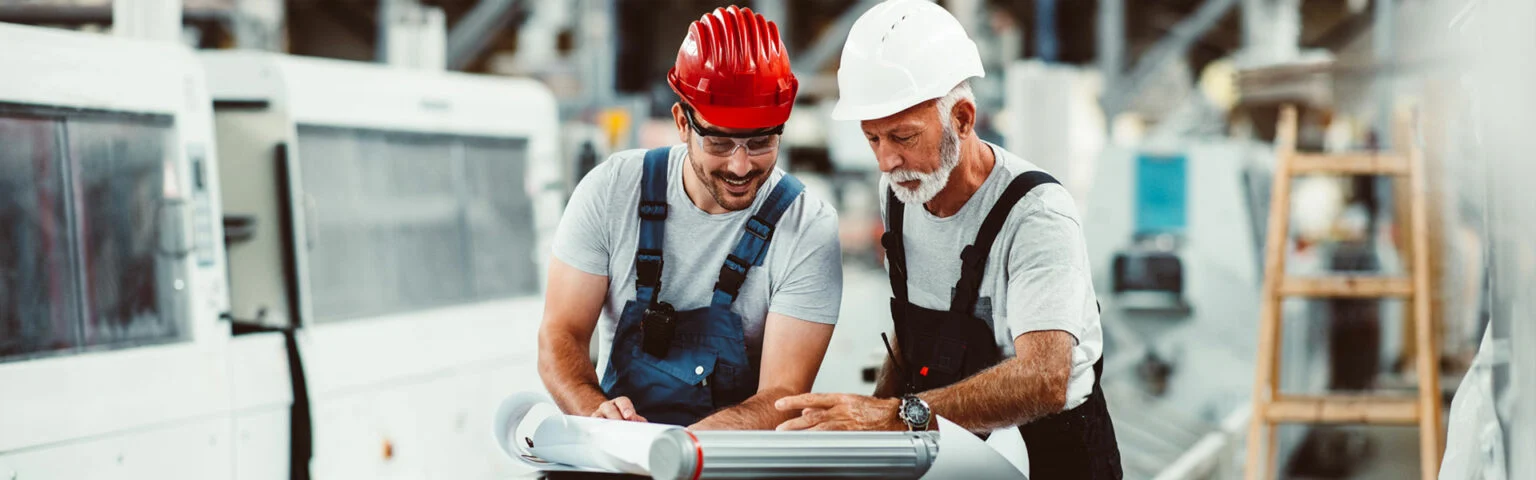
x,y
841,411
792,352
618,409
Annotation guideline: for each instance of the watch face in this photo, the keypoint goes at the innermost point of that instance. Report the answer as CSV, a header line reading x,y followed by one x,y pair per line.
x,y
915,413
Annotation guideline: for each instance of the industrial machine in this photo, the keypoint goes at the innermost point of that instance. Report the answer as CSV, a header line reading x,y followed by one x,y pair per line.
x,y
1192,411
112,277
388,225
371,292
1148,275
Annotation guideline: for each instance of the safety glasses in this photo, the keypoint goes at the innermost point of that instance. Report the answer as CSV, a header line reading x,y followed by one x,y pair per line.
x,y
722,144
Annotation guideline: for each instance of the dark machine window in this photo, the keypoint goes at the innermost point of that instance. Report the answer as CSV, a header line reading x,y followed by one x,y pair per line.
x,y
38,298
127,198
407,221
83,213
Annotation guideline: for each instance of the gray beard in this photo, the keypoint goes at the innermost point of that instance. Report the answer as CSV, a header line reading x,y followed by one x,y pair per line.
x,y
931,182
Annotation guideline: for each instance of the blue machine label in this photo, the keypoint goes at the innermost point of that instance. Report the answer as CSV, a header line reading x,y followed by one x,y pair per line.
x,y
1161,193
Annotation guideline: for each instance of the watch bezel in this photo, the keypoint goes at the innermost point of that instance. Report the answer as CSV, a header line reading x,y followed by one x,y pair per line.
x,y
910,401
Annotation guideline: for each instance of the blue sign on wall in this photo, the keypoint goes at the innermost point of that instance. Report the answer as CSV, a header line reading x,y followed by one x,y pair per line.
x,y
1161,195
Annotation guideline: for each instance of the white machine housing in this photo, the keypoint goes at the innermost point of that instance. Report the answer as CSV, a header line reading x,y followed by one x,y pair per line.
x,y
155,405
393,392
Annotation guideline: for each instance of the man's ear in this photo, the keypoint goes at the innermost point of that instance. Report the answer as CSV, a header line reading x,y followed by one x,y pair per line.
x,y
681,122
963,117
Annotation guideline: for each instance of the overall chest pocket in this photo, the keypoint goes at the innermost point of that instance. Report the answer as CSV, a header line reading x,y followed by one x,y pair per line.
x,y
682,377
700,373
732,383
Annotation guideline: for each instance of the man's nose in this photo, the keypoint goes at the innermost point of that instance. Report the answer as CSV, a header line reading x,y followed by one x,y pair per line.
x,y
739,164
889,158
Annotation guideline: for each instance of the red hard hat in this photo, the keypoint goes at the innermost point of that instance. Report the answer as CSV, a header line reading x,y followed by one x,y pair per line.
x,y
734,71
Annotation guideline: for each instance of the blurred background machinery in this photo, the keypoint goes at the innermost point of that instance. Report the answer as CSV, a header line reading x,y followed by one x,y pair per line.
x,y
384,176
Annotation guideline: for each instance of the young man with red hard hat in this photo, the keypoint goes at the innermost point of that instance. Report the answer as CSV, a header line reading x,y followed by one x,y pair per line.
x,y
995,316
637,253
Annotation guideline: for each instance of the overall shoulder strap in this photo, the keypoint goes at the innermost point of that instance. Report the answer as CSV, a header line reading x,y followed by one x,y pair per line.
x,y
895,249
973,259
653,216
753,246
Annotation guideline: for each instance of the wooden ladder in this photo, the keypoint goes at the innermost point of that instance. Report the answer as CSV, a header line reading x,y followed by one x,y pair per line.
x,y
1270,407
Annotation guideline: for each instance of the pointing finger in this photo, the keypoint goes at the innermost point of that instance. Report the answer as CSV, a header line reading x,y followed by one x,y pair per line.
x,y
797,423
809,400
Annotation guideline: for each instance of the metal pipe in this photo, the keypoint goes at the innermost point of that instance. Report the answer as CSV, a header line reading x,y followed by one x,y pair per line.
x,y
1167,49
475,32
777,12
815,57
683,455
1111,39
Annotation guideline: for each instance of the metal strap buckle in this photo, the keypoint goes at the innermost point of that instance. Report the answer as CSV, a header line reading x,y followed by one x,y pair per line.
x,y
732,275
655,211
759,228
648,264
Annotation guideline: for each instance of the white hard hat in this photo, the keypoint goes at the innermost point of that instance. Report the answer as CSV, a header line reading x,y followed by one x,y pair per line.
x,y
899,54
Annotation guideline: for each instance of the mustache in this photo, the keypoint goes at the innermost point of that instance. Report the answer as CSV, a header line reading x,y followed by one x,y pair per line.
x,y
749,176
903,175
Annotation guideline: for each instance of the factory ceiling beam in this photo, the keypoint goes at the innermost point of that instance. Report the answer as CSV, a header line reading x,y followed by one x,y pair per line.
x,y
830,43
1119,94
474,33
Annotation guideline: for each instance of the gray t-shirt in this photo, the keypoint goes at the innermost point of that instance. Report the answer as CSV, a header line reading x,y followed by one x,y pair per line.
x,y
801,277
1037,275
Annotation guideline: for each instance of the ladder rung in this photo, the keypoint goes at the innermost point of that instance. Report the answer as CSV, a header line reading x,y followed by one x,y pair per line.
x,y
1343,409
1364,163
1346,286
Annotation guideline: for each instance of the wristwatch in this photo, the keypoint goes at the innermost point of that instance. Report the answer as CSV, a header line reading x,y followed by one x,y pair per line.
x,y
914,412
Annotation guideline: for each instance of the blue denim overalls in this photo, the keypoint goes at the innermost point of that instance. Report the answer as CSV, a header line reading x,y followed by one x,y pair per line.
x,y
706,366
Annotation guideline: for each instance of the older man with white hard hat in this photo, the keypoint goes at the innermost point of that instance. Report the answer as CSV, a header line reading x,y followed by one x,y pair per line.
x,y
995,316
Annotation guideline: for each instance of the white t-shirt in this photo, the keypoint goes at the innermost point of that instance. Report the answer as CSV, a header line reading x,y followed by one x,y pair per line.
x,y
1037,275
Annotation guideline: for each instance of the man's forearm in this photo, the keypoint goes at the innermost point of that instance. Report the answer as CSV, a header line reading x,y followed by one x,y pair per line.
x,y
568,374
755,413
1014,392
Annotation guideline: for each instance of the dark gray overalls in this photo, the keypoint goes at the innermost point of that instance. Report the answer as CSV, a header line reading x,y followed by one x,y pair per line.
x,y
940,348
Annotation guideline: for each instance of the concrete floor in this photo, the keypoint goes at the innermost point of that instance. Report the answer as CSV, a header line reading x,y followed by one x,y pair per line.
x,y
1392,454
1397,454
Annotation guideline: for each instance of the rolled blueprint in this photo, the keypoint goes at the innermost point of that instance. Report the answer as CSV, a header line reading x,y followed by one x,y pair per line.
x,y
531,430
